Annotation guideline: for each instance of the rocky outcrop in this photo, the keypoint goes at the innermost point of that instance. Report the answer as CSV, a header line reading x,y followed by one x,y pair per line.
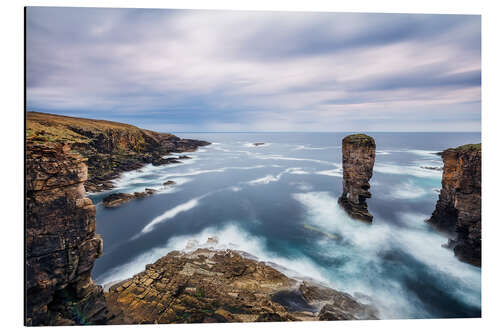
x,y
206,285
358,158
110,147
458,209
117,199
61,243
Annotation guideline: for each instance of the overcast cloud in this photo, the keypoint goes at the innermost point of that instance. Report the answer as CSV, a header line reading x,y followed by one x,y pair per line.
x,y
175,70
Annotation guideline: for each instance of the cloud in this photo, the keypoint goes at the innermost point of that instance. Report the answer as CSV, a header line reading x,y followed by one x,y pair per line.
x,y
209,70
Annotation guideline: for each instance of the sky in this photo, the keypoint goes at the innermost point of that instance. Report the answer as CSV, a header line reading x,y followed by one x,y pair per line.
x,y
211,70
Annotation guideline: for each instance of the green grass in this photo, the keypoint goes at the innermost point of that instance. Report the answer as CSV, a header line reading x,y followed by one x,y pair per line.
x,y
359,139
473,147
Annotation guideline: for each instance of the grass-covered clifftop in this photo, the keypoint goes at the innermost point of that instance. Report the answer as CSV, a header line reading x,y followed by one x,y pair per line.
x,y
110,147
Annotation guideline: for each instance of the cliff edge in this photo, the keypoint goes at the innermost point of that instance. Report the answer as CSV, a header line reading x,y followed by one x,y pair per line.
x,y
458,209
110,147
61,243
358,158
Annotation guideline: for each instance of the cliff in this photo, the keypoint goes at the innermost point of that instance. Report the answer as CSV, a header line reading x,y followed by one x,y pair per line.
x,y
358,158
110,147
61,243
458,209
206,286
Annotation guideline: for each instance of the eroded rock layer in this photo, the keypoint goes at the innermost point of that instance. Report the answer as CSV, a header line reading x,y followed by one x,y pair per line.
x,y
358,158
61,243
205,285
458,209
110,147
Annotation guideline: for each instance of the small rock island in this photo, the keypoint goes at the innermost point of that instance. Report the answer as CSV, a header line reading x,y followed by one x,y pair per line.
x,y
358,158
458,209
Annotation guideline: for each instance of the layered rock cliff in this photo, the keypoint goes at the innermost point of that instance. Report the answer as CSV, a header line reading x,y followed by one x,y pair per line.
x,y
205,285
110,147
458,209
358,158
61,243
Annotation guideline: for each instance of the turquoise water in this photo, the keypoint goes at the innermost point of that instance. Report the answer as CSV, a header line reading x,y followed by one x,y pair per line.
x,y
278,202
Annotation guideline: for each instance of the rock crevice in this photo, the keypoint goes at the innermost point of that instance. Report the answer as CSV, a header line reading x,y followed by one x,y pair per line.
x,y
358,158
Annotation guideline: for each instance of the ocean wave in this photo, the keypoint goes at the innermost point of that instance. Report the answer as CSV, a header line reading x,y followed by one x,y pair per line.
x,y
271,178
171,213
408,190
302,147
364,270
230,236
406,170
331,173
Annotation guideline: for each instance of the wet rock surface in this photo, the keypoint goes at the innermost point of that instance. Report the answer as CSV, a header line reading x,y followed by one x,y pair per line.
x,y
458,209
118,199
206,285
358,158
61,243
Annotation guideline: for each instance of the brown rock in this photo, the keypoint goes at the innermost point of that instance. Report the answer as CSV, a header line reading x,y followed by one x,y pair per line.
x,y
358,158
61,243
117,199
458,209
212,286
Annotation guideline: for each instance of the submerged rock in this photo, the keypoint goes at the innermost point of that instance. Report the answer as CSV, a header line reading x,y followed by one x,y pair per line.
x,y
458,209
358,158
169,182
117,199
221,286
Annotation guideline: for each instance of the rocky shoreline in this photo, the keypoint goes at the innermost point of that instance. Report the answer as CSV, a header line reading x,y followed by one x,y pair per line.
x,y
207,285
110,148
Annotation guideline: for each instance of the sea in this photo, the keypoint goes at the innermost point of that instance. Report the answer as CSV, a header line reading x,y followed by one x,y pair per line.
x,y
277,202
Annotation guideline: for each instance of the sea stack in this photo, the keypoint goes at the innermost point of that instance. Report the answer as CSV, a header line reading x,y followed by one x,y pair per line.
x,y
61,243
358,158
458,209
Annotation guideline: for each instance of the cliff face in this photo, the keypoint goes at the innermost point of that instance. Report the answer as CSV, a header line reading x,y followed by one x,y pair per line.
x,y
224,286
358,158
61,243
110,147
459,206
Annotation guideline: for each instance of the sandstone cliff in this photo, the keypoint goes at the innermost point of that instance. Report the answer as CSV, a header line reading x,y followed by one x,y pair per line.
x,y
458,209
61,243
110,147
206,286
358,158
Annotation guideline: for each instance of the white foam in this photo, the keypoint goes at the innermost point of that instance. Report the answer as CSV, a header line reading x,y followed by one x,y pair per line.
x,y
271,178
362,271
229,237
408,190
171,213
331,173
265,180
302,147
406,170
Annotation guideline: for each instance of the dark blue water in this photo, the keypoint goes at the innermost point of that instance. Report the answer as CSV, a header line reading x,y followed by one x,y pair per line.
x,y
278,202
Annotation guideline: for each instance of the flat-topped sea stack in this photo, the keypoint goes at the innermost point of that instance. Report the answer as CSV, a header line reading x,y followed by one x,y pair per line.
x,y
358,158
458,209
